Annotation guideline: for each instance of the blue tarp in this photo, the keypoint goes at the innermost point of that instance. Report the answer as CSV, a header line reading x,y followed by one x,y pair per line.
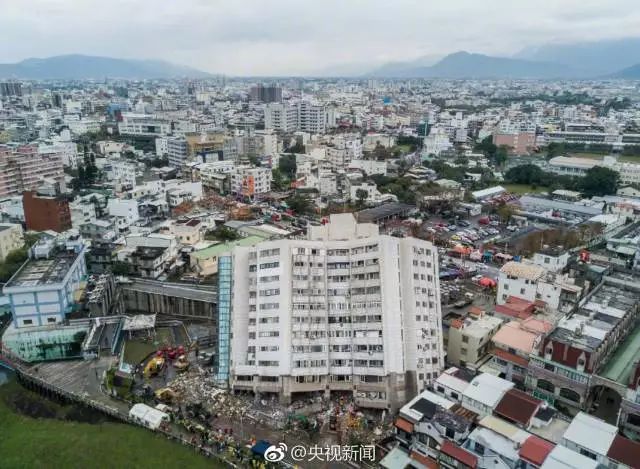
x,y
260,447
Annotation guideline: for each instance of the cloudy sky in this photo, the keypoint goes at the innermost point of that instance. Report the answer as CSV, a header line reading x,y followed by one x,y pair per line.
x,y
286,37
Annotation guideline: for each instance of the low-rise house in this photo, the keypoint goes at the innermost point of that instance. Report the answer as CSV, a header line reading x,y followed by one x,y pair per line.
x,y
469,339
512,345
427,421
188,231
484,393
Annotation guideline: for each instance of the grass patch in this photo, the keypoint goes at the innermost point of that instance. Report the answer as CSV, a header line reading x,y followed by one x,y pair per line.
x,y
404,148
629,158
49,443
135,351
525,188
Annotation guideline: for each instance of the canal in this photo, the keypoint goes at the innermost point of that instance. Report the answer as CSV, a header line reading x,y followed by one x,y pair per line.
x,y
5,375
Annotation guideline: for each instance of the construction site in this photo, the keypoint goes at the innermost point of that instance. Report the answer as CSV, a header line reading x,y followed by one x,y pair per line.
x,y
152,373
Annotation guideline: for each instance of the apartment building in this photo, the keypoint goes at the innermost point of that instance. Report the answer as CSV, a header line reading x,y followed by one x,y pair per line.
x,y
311,117
562,371
301,116
282,117
23,168
249,181
345,310
46,212
266,93
469,339
10,238
177,151
143,125
43,291
536,284
519,143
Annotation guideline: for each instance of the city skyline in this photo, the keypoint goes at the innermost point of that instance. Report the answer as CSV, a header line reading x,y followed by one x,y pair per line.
x,y
304,39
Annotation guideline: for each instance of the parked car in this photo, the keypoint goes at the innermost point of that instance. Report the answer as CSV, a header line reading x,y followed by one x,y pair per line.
x,y
463,302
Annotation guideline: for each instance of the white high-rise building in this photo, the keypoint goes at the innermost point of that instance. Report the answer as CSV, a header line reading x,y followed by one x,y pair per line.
x,y
281,116
345,310
177,151
301,116
311,118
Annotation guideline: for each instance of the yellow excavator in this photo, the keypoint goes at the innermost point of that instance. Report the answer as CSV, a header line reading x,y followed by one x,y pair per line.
x,y
166,395
181,363
154,366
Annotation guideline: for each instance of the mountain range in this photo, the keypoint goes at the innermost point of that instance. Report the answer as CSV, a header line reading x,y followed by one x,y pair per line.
x,y
618,58
602,59
77,66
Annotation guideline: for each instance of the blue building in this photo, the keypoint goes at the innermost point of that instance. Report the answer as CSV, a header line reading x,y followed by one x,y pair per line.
x,y
48,285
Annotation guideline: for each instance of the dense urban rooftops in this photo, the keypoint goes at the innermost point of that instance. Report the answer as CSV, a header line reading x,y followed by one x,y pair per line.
x,y
588,327
40,272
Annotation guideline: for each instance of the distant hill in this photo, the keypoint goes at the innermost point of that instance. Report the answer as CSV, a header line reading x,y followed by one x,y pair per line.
x,y
591,58
399,69
467,65
86,67
629,73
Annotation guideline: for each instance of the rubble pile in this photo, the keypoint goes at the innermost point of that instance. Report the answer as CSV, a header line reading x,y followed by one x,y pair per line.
x,y
195,386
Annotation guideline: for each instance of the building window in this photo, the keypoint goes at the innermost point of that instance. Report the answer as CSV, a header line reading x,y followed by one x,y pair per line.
x,y
546,385
465,339
478,448
570,394
588,454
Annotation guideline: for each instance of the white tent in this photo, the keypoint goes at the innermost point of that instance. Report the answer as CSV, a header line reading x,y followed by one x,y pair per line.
x,y
147,416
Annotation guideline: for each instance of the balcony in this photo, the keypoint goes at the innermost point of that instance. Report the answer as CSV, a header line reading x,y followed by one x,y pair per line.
x,y
307,387
340,385
245,385
264,386
372,403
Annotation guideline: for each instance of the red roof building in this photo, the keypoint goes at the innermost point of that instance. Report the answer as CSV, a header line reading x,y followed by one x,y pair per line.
x,y
625,451
516,308
405,425
518,407
458,454
535,450
424,460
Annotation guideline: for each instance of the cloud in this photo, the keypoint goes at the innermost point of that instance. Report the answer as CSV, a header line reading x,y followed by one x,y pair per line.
x,y
258,37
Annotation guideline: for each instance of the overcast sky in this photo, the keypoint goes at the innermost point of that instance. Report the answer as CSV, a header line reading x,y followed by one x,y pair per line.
x,y
287,37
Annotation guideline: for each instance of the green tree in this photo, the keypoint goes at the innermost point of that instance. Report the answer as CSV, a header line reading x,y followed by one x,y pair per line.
x,y
278,181
525,174
487,147
253,159
599,181
222,233
13,262
403,167
555,149
121,268
361,196
287,165
501,155
300,204
297,148
505,212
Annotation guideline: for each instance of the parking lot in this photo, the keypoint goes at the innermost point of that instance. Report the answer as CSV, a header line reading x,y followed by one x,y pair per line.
x,y
474,232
